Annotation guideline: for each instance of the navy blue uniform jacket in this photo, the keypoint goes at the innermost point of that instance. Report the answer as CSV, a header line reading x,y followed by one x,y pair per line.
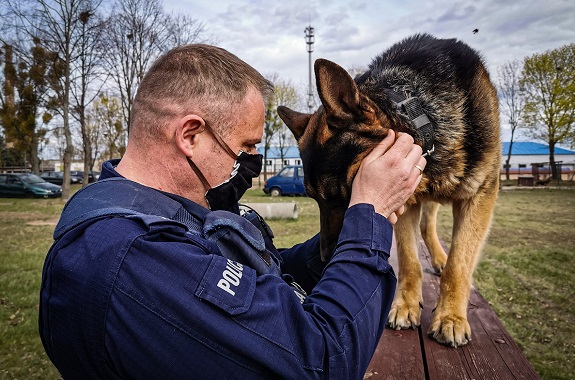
x,y
122,298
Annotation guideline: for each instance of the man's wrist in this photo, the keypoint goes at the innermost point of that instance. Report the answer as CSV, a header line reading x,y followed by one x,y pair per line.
x,y
384,213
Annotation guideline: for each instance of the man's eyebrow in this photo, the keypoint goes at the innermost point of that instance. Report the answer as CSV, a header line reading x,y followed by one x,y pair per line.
x,y
254,141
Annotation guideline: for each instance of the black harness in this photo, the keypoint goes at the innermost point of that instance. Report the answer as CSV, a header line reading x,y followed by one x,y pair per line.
x,y
411,108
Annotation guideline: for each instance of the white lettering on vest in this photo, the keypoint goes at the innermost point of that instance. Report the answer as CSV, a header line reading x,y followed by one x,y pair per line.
x,y
231,276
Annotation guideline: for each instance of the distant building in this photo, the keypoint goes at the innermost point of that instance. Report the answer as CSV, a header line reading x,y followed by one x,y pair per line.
x,y
58,165
525,153
275,162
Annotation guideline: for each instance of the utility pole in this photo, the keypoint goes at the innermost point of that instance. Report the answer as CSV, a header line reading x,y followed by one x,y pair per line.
x,y
309,40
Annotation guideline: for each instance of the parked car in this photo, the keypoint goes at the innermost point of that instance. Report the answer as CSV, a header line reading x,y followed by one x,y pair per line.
x,y
92,176
288,181
58,178
27,185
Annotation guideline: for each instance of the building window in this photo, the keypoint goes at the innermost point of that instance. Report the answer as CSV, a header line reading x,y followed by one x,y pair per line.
x,y
298,162
522,166
286,162
269,162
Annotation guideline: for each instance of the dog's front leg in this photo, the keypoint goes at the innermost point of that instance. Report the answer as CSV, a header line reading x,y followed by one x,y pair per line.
x,y
406,310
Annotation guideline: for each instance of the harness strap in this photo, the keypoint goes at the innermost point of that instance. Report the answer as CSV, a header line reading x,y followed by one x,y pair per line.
x,y
421,123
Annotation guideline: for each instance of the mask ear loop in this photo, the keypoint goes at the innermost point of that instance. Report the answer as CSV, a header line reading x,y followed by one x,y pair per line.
x,y
225,146
199,174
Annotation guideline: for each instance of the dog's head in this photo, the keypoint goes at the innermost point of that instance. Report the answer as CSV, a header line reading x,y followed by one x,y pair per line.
x,y
333,141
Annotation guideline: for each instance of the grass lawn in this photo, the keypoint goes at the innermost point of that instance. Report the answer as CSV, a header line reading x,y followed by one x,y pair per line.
x,y
525,273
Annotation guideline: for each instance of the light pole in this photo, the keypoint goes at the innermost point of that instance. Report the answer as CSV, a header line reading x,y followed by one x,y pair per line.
x,y
309,40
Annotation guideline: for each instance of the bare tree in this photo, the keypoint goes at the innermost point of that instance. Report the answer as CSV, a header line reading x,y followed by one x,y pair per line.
x,y
511,100
272,124
58,24
85,74
275,131
138,32
356,70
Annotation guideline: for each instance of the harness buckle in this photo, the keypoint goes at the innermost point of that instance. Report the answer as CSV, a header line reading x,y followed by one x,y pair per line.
x,y
429,151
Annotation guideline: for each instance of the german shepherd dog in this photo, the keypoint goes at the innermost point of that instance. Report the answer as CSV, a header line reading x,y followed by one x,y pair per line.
x,y
439,91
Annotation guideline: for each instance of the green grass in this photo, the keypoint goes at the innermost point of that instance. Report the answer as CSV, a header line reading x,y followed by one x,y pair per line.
x,y
525,274
22,250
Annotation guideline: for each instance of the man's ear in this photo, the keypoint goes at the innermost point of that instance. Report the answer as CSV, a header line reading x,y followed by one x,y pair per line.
x,y
187,131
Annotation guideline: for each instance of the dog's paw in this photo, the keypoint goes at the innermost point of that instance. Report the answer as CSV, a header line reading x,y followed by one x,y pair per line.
x,y
404,316
438,262
450,330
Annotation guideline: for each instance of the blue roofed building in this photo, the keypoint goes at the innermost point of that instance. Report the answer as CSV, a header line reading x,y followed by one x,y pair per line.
x,y
525,153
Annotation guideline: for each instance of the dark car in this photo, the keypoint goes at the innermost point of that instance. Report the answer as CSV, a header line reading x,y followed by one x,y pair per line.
x,y
58,178
92,176
27,185
288,181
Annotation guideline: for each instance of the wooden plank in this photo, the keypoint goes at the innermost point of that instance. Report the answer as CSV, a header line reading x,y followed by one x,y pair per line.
x,y
398,355
491,354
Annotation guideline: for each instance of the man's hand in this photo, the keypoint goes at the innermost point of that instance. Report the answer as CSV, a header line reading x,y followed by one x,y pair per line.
x,y
389,175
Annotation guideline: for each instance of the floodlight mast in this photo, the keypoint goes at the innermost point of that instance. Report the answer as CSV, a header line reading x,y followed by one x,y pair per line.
x,y
309,40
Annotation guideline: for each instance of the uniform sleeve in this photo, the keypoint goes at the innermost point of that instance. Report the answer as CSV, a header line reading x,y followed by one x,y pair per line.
x,y
303,263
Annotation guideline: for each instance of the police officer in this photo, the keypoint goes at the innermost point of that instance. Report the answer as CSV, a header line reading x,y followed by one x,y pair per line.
x,y
153,274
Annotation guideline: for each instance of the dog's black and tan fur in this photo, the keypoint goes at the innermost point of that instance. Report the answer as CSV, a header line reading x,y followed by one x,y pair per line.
x,y
458,97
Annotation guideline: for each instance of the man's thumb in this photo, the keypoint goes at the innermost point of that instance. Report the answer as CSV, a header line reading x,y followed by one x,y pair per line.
x,y
383,146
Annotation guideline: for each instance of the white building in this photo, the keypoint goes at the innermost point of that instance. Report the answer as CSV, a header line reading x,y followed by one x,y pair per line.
x,y
526,153
276,161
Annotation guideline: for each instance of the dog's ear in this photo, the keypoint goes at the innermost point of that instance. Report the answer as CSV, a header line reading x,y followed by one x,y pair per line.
x,y
338,93
295,121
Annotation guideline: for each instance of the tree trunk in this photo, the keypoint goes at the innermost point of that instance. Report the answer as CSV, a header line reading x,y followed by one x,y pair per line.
x,y
69,150
265,163
34,154
509,154
554,172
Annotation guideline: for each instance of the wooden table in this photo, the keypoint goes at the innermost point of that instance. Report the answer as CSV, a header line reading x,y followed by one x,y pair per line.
x,y
411,354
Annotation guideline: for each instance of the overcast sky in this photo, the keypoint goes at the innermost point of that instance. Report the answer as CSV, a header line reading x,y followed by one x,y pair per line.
x,y
269,34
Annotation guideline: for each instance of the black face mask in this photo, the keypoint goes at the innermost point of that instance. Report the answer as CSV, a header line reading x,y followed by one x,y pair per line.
x,y
226,195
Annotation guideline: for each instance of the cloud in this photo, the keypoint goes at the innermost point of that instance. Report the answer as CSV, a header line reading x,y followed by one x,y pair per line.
x,y
269,34
457,12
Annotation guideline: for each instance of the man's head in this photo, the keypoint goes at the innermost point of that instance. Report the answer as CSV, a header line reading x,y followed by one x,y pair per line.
x,y
185,91
197,78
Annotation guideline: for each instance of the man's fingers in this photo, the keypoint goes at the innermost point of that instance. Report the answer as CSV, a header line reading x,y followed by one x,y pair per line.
x,y
420,165
400,211
382,147
414,153
392,218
